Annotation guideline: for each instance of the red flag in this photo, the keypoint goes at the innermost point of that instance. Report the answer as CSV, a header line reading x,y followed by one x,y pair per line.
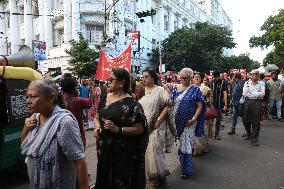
x,y
107,63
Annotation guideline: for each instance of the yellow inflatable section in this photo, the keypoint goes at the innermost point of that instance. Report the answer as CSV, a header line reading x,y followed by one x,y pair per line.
x,y
25,73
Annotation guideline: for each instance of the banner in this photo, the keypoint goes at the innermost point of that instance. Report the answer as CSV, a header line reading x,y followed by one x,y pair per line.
x,y
107,63
39,49
133,38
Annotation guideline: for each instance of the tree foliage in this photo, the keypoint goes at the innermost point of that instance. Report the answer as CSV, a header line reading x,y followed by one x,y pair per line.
x,y
199,48
273,35
242,61
84,60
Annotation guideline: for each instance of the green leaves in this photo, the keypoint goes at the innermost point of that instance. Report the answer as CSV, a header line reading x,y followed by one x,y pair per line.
x,y
83,59
273,35
199,48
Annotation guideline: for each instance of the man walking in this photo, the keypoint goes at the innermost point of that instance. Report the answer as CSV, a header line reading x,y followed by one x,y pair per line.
x,y
237,93
254,91
276,94
220,95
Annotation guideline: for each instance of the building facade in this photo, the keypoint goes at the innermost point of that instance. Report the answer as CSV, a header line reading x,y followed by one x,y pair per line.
x,y
58,21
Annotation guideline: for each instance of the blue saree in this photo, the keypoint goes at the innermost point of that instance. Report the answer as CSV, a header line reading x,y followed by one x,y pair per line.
x,y
185,107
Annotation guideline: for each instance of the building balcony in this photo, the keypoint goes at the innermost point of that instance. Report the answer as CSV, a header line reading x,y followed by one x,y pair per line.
x,y
96,7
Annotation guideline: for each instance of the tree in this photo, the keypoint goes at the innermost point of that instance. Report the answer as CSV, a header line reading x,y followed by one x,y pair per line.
x,y
242,61
273,36
199,48
84,60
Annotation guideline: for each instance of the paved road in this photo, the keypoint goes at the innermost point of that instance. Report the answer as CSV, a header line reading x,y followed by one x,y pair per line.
x,y
234,163
231,163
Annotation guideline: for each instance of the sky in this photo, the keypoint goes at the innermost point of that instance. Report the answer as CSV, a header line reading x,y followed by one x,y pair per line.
x,y
247,17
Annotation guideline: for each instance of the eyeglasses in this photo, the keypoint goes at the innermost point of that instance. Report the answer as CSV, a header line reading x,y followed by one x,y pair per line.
x,y
111,79
146,76
255,73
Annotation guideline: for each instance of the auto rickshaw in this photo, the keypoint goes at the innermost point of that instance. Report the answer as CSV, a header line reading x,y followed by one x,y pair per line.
x,y
14,81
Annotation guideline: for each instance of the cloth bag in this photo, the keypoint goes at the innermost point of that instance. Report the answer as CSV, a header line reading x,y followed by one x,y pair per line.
x,y
211,112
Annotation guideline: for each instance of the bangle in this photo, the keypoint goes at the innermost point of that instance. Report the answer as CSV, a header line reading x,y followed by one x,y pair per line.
x,y
193,118
159,119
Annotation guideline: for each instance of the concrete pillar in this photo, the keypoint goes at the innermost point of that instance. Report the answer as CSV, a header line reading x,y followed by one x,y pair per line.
x,y
161,19
48,23
67,20
76,20
171,22
14,27
3,34
41,20
180,22
28,23
121,25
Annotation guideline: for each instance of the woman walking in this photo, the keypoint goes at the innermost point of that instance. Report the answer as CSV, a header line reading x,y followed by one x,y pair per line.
x,y
155,103
51,141
121,132
189,115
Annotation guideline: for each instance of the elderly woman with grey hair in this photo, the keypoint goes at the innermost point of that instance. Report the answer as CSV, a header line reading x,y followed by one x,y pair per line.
x,y
51,141
189,116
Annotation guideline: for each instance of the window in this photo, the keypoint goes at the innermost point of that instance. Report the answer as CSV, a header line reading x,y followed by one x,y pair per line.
x,y
166,20
94,34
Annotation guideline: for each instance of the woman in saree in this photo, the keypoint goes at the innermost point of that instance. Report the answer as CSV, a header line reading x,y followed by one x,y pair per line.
x,y
155,104
189,115
121,132
51,141
200,142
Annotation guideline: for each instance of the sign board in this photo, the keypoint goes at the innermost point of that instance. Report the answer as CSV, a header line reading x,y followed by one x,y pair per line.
x,y
16,99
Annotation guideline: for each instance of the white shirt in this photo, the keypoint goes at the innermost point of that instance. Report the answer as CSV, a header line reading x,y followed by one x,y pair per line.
x,y
254,91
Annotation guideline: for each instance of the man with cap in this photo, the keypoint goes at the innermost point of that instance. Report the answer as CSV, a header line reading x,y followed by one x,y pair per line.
x,y
276,94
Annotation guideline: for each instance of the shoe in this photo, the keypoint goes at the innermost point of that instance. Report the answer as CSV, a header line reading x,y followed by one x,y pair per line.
x,y
274,117
280,119
217,137
232,132
248,138
254,143
244,135
222,127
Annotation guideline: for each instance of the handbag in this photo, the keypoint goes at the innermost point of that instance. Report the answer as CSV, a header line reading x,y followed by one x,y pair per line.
x,y
211,112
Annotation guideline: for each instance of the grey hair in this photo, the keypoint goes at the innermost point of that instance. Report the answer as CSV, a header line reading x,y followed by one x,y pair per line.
x,y
187,71
47,87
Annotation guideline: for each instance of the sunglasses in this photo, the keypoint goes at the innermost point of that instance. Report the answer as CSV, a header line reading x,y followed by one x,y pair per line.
x,y
255,73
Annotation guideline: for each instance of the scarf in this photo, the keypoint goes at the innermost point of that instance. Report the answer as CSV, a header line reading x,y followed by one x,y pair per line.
x,y
186,109
41,147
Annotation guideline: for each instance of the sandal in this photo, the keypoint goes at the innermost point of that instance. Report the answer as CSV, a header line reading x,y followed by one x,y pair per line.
x,y
155,183
184,176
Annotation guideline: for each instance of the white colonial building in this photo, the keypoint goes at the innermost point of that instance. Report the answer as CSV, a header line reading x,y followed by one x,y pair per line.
x,y
58,21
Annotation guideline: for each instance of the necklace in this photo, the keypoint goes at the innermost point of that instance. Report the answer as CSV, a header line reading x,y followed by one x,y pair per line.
x,y
149,90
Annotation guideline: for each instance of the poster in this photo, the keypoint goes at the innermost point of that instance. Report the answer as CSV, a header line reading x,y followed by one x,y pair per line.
x,y
39,49
133,38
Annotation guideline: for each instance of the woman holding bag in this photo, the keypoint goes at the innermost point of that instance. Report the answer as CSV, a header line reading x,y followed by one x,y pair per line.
x,y
189,115
155,103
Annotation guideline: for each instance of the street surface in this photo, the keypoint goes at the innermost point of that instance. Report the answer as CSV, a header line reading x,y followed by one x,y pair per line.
x,y
231,163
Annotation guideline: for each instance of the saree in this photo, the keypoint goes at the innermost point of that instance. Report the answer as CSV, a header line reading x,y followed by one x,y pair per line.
x,y
121,158
184,109
153,103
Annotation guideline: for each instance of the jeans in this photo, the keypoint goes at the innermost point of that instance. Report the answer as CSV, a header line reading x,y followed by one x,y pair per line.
x,y
235,116
278,106
218,120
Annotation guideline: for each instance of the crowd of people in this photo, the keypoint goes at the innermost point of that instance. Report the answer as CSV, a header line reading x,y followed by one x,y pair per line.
x,y
135,122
